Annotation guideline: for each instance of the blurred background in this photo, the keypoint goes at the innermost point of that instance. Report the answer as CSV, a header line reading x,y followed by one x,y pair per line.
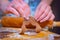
x,y
56,10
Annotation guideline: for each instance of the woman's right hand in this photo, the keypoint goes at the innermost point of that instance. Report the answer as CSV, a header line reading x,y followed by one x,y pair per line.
x,y
18,7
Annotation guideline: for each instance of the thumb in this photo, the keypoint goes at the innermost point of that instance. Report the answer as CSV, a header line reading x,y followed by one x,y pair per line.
x,y
26,17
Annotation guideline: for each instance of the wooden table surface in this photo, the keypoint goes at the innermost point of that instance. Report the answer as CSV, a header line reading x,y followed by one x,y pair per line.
x,y
43,35
13,34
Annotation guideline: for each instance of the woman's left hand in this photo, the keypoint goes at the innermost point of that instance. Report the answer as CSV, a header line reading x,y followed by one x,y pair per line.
x,y
44,12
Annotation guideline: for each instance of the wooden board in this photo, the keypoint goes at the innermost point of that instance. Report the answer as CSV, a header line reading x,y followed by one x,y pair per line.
x,y
43,35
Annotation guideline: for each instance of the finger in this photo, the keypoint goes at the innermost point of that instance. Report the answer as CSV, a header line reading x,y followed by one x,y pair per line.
x,y
27,13
24,5
37,10
24,9
27,10
39,6
12,10
47,17
41,11
52,17
16,3
45,13
18,7
22,2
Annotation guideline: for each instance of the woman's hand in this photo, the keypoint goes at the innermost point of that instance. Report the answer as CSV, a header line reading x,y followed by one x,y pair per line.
x,y
18,7
44,12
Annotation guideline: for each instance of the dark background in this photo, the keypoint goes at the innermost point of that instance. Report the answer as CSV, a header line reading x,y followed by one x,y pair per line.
x,y
56,10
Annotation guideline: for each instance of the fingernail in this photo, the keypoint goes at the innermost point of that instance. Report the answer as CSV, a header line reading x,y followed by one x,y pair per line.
x,y
41,21
27,18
